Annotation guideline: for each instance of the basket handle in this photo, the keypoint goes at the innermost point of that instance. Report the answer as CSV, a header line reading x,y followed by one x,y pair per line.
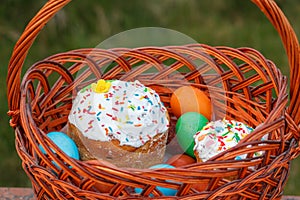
x,y
291,45
268,7
20,52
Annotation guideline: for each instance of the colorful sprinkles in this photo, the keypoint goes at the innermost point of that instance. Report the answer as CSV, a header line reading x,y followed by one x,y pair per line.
x,y
218,136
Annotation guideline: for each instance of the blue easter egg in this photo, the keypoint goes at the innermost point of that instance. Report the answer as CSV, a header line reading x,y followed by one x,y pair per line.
x,y
65,143
162,165
163,190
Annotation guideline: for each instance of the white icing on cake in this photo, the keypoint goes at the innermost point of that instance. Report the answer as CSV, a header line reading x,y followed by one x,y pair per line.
x,y
126,111
218,136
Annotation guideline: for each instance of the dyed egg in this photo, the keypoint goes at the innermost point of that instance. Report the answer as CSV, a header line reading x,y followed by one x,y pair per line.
x,y
201,186
103,187
190,99
180,160
186,127
163,190
65,143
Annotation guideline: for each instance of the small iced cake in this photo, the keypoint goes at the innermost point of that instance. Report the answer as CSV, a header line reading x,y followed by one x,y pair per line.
x,y
124,123
218,136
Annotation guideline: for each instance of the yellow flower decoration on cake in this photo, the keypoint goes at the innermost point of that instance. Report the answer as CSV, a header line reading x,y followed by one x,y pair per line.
x,y
101,86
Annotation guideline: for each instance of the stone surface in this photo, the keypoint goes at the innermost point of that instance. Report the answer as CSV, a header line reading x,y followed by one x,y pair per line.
x,y
27,194
16,194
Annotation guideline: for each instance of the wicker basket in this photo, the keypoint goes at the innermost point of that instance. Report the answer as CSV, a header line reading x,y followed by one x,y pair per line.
x,y
39,105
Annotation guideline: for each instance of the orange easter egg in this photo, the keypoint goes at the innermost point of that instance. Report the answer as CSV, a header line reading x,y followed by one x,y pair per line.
x,y
201,186
190,99
103,187
180,160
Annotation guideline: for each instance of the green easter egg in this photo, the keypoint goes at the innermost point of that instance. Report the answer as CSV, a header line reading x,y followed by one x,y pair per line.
x,y
186,127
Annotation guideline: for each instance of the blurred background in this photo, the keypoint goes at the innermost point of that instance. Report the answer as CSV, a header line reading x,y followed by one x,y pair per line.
x,y
87,23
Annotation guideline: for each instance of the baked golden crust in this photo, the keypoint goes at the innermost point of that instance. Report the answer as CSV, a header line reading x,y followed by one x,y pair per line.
x,y
151,153
197,156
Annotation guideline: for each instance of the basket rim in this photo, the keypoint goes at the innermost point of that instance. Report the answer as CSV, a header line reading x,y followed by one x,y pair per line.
x,y
281,119
268,7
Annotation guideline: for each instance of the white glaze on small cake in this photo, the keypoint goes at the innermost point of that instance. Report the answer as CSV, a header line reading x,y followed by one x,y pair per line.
x,y
218,136
127,111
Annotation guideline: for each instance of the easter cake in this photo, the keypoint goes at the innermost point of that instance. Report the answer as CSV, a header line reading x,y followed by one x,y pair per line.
x,y
122,122
218,136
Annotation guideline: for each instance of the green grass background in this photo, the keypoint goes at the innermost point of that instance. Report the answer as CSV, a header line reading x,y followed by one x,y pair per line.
x,y
86,23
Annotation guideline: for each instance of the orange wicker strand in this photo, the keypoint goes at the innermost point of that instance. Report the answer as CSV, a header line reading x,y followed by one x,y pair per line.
x,y
242,85
291,44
